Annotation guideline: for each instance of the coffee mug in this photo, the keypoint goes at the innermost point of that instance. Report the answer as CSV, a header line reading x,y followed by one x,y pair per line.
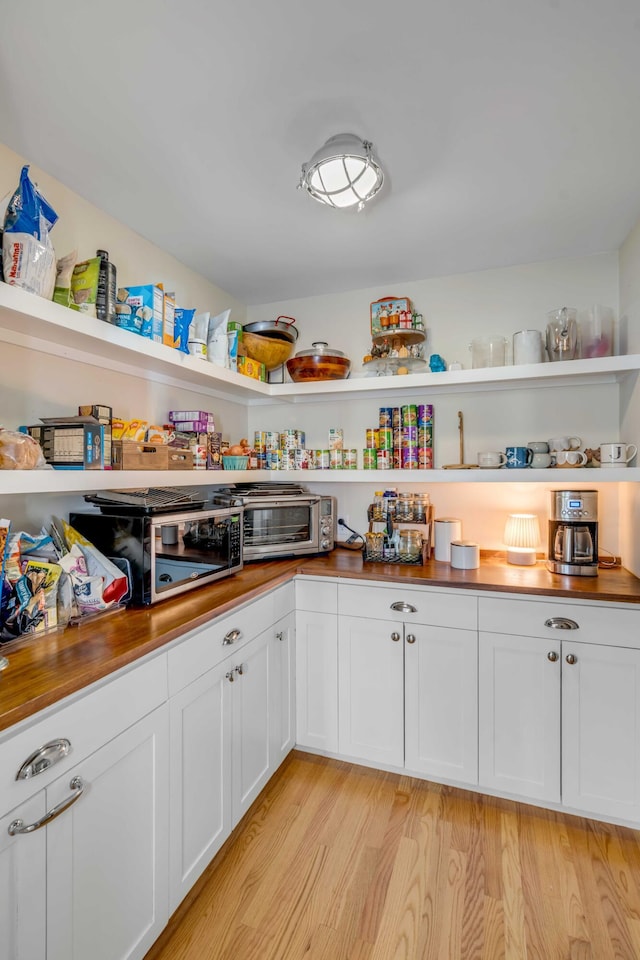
x,y
571,458
490,459
565,443
538,446
540,460
518,457
617,454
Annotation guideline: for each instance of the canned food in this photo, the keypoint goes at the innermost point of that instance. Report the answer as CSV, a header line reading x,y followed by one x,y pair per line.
x,y
425,414
260,440
425,436
272,440
274,459
335,459
350,459
409,437
397,458
289,440
372,438
409,458
369,459
409,415
323,460
425,458
384,459
386,416
396,417
288,459
300,458
385,438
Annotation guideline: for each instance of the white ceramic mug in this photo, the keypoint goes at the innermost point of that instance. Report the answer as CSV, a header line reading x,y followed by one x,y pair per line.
x,y
538,446
565,443
491,459
617,454
571,458
540,460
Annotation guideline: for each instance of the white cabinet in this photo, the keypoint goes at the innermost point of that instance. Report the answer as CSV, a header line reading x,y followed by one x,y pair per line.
x,y
370,684
317,665
248,681
519,716
283,688
23,888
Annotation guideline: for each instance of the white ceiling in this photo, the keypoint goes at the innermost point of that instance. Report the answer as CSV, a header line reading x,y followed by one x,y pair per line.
x,y
508,129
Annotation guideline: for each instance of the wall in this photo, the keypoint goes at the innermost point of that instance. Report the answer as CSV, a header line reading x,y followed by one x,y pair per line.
x,y
630,398
456,309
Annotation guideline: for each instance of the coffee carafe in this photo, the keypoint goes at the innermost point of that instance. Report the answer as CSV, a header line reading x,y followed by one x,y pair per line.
x,y
573,533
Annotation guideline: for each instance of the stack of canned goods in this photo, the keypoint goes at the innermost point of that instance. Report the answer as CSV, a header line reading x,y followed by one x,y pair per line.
x,y
403,440
286,450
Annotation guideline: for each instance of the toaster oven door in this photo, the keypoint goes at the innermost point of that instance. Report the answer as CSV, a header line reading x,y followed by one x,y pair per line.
x,y
280,528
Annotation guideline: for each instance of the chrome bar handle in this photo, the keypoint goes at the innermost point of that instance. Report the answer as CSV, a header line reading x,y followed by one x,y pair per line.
x,y
562,623
403,607
43,758
231,637
18,826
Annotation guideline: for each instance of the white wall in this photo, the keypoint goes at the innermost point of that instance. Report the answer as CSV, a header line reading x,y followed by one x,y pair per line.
x,y
630,398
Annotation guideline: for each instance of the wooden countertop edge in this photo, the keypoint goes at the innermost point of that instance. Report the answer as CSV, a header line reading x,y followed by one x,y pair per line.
x,y
44,670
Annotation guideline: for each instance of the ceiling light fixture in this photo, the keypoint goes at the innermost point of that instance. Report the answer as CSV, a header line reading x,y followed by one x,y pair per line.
x,y
343,173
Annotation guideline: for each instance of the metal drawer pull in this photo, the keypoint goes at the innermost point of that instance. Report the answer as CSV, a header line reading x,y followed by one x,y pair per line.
x,y
232,636
411,638
280,636
571,658
17,826
562,623
43,758
229,676
395,636
403,607
239,670
552,655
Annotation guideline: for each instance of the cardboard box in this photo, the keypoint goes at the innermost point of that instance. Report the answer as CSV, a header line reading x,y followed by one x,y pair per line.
x,y
129,430
251,368
103,414
169,321
72,446
141,310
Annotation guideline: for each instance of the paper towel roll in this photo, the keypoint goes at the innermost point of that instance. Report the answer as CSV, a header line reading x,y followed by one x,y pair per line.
x,y
446,530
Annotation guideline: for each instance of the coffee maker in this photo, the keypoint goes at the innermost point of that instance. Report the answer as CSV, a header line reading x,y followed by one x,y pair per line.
x,y
573,533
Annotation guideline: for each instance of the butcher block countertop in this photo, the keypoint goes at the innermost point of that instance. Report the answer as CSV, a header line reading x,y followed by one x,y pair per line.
x,y
43,670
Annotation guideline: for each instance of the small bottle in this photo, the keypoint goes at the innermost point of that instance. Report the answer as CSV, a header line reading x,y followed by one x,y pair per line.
x,y
390,497
106,295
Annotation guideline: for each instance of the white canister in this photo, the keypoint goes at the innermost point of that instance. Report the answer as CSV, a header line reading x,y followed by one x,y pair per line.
x,y
465,555
446,530
527,346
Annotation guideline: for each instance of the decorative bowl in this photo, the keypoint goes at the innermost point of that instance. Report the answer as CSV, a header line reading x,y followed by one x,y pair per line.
x,y
267,350
318,363
235,463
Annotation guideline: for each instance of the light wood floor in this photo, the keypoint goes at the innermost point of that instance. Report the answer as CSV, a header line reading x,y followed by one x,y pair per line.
x,y
339,862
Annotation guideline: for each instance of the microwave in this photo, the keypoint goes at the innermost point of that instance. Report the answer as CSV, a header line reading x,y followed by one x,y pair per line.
x,y
283,520
167,553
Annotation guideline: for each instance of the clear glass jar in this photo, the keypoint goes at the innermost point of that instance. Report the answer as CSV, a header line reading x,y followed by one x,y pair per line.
x,y
404,507
409,545
378,506
421,504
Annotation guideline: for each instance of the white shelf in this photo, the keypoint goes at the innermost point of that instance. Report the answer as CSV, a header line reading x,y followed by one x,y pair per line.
x,y
42,325
86,481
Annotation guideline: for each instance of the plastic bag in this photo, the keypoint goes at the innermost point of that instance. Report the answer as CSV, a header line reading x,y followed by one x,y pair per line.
x,y
217,339
28,257
19,451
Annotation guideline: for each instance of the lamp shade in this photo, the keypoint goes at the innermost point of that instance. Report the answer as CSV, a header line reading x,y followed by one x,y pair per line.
x,y
521,537
343,173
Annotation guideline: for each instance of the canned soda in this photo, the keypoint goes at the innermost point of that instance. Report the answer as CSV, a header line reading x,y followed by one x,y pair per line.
x,y
350,459
425,458
372,438
385,438
409,458
409,414
335,459
323,461
386,416
369,459
384,459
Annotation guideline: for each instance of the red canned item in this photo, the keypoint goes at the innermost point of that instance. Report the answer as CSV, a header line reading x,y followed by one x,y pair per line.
x,y
335,459
409,437
425,458
385,438
409,415
369,459
372,438
409,458
425,414
350,459
300,458
397,458
384,459
322,459
386,416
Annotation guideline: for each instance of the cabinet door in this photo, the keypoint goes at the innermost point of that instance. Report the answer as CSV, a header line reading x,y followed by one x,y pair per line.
x,y
200,798
441,702
370,684
107,871
23,861
250,723
317,680
283,689
519,715
601,729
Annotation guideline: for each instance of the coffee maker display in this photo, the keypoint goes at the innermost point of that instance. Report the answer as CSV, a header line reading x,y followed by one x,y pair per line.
x,y
573,533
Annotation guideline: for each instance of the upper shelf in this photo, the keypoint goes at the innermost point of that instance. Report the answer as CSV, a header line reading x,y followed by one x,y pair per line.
x,y
40,324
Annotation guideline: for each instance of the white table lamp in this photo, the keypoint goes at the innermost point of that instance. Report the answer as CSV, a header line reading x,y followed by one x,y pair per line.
x,y
521,537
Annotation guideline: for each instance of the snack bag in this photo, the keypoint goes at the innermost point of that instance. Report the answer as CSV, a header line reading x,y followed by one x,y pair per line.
x,y
84,286
28,257
64,271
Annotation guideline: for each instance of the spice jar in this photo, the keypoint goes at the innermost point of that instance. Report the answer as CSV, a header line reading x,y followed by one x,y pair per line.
x,y
404,507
